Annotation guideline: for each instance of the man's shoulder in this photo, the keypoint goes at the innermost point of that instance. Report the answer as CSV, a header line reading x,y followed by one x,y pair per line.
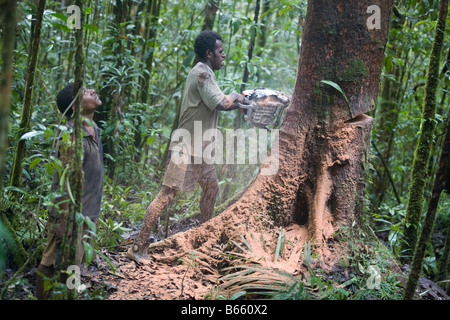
x,y
201,72
201,68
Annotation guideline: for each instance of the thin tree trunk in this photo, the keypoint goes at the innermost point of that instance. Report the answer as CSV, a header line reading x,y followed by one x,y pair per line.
x,y
419,173
439,185
76,176
443,171
443,263
9,19
251,45
210,14
27,110
153,8
19,252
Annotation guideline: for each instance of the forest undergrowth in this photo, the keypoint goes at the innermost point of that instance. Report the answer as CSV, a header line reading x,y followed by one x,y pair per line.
x,y
359,263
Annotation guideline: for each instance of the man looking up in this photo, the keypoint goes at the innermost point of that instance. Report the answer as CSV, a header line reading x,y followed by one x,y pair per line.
x,y
92,187
201,101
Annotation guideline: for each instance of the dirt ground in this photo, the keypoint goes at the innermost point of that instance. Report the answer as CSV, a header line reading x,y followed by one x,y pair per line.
x,y
191,263
180,272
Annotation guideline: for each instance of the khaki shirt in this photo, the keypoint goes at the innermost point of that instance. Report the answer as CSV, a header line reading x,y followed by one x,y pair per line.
x,y
198,114
196,131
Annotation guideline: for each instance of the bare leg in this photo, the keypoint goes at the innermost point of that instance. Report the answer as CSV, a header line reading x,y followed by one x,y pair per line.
x,y
210,189
139,250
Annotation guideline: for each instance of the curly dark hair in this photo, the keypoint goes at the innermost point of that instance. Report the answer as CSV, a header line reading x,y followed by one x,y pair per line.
x,y
204,41
64,99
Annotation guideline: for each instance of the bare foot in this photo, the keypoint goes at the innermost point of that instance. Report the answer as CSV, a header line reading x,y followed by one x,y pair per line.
x,y
138,254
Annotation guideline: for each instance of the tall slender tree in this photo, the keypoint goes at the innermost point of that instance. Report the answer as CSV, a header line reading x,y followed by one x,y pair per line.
x,y
149,47
251,46
210,14
27,109
421,158
419,171
9,19
77,170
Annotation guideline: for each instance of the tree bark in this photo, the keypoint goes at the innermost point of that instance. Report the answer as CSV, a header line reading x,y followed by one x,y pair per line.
x,y
419,173
324,183
19,252
153,9
76,176
27,110
210,14
443,170
251,45
9,19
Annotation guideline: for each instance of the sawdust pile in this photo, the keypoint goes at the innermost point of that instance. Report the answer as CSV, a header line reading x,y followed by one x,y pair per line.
x,y
191,264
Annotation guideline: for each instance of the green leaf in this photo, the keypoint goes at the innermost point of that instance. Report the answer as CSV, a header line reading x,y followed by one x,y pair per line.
x,y
90,223
35,162
15,189
237,295
337,87
334,85
421,22
59,16
279,243
31,134
236,25
91,27
88,252
60,26
69,191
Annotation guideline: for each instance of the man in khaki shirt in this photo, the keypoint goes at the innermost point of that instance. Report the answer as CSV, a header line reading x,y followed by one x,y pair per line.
x,y
189,165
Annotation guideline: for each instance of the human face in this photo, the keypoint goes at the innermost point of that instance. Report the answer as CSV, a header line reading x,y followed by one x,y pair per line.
x,y
90,100
217,57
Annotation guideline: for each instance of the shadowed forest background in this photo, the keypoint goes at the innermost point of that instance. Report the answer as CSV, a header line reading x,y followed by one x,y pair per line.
x,y
137,57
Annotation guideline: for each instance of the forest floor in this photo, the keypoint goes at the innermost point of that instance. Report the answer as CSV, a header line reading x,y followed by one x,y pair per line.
x,y
171,276
264,257
197,275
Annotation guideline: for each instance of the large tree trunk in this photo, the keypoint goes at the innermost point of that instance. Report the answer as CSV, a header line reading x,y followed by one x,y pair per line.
x,y
324,139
